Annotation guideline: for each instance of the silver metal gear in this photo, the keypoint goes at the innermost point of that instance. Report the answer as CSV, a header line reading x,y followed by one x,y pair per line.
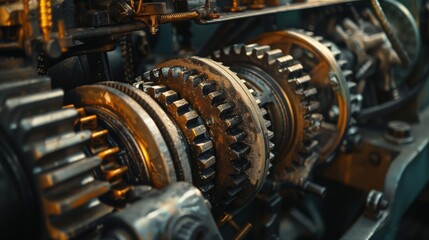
x,y
43,134
192,126
224,103
283,89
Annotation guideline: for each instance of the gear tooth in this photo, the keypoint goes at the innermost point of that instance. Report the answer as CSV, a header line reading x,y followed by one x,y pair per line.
x,y
168,97
233,192
207,174
232,122
46,125
272,146
206,87
88,123
347,74
310,92
267,123
180,106
75,198
239,149
206,188
311,106
22,106
115,172
272,55
259,51
303,79
270,134
238,179
155,90
225,51
237,137
53,177
284,61
205,162
64,142
217,97
342,63
225,109
204,146
295,69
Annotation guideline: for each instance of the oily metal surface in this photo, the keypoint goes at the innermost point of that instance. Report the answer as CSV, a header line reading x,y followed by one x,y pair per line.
x,y
326,74
243,157
153,154
170,132
288,95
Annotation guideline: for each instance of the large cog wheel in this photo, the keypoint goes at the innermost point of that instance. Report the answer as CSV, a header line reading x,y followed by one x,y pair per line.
x,y
52,151
283,89
225,103
327,76
192,126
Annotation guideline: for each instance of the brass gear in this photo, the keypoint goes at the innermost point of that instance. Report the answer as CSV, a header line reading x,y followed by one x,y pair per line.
x,y
43,134
283,89
146,153
327,76
224,103
111,170
192,126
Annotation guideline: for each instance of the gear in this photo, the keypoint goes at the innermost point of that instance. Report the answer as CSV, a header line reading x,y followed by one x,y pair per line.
x,y
327,76
192,126
145,151
352,136
224,103
170,132
111,170
282,88
47,144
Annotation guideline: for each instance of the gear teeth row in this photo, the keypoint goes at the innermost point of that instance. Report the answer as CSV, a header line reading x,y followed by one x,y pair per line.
x,y
191,84
192,126
355,97
111,170
280,67
44,133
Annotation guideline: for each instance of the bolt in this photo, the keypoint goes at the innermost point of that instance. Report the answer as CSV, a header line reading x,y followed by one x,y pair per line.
x,y
398,132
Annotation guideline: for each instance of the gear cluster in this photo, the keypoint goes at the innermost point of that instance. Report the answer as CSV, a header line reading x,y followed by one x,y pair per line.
x,y
225,124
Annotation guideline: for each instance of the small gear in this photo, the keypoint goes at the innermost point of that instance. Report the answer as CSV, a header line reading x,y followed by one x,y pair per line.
x,y
282,88
44,136
224,103
192,126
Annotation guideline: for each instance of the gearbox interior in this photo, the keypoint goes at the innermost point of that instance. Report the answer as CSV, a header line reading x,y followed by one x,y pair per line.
x,y
228,119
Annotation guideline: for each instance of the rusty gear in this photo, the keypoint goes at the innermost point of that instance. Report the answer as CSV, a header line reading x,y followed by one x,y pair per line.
x,y
326,75
285,92
192,126
224,103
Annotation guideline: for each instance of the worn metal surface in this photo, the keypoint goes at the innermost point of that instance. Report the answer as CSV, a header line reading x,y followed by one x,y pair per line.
x,y
177,212
405,178
326,75
272,10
